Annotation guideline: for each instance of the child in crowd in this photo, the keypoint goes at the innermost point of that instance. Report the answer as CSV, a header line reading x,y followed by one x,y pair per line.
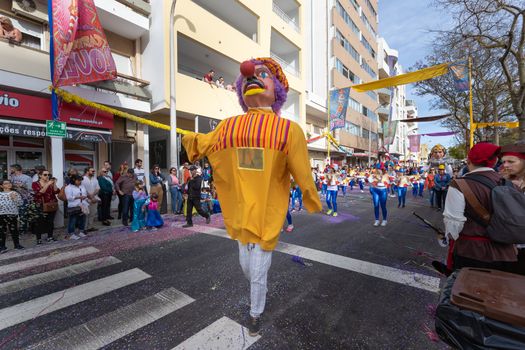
x,y
9,203
154,220
139,207
206,203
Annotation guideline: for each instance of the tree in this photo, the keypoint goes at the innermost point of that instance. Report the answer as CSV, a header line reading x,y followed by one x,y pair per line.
x,y
457,152
490,98
497,26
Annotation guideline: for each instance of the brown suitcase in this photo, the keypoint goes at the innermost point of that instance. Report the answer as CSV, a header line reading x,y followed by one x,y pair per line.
x,y
495,294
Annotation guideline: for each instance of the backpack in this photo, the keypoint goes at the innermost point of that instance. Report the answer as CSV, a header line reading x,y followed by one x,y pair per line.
x,y
506,224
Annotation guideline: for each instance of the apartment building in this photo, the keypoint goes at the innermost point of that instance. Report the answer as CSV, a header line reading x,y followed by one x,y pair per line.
x,y
93,136
396,108
217,35
350,58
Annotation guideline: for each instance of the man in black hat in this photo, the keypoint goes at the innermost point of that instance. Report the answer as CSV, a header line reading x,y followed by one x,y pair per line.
x,y
194,197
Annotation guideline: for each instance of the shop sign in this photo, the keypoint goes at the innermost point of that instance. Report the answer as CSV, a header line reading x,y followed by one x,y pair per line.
x,y
55,128
22,106
12,129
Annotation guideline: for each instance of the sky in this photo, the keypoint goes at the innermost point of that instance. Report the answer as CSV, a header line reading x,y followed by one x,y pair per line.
x,y
406,26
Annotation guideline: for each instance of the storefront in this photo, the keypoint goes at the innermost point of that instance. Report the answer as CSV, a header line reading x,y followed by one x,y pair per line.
x,y
23,134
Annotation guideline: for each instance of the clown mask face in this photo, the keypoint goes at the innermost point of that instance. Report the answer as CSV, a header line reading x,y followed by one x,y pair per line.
x,y
259,90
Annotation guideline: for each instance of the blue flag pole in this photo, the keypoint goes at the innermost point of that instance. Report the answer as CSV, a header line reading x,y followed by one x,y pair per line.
x,y
54,97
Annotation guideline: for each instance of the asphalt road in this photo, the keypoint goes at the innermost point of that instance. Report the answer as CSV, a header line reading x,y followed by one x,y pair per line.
x,y
360,287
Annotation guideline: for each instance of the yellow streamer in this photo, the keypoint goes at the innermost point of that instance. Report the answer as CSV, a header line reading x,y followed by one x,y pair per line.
x,y
412,77
71,98
509,125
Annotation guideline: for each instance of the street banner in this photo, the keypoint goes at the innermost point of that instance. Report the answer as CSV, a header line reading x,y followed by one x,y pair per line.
x,y
460,74
389,132
338,105
441,133
414,142
81,52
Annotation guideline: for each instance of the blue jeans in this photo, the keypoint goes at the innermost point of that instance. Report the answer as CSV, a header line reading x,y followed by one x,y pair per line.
x,y
76,220
127,205
323,189
361,185
379,196
432,194
331,200
288,217
297,195
415,187
176,200
401,195
343,189
352,184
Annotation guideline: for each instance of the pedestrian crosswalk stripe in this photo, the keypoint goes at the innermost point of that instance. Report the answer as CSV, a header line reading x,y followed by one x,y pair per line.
x,y
26,264
52,302
107,328
408,278
54,275
11,254
221,334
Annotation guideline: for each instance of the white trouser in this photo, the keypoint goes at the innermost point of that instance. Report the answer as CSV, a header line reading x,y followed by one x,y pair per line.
x,y
255,263
90,220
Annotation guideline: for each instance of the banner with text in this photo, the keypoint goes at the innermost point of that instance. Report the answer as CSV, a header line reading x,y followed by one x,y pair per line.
x,y
338,106
81,50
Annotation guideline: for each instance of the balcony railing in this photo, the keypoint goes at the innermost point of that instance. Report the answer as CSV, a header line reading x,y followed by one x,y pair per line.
x,y
288,67
279,12
141,6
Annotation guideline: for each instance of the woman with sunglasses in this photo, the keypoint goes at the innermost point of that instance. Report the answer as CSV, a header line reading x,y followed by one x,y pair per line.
x,y
45,197
105,183
156,178
176,191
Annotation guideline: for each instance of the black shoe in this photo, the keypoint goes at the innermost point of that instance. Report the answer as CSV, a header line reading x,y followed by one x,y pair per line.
x,y
3,250
441,268
254,326
19,247
38,241
111,218
125,223
92,229
208,219
51,239
403,205
187,225
399,205
107,223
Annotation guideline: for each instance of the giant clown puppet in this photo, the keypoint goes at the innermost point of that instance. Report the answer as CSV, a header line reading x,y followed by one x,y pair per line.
x,y
253,156
437,157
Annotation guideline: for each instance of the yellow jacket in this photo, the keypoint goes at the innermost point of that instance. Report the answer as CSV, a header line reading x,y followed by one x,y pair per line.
x,y
252,156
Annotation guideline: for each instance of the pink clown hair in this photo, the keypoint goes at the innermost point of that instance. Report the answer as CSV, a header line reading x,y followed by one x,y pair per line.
x,y
280,93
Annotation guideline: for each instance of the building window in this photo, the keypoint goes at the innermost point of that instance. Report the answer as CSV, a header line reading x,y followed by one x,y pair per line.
x,y
368,25
347,73
368,113
347,46
374,136
32,34
372,95
352,128
368,69
354,4
368,47
356,106
371,8
346,17
365,133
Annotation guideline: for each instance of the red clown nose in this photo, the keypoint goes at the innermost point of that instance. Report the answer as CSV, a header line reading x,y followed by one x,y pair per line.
x,y
247,69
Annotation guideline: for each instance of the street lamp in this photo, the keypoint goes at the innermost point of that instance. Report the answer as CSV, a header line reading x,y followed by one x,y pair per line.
x,y
174,149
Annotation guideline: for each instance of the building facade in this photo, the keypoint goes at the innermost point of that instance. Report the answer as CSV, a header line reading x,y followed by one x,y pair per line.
x,y
349,28
218,36
92,136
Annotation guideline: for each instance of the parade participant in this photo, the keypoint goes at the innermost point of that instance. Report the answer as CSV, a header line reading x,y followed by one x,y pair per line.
x,y
378,183
513,164
139,207
194,197
343,181
352,178
153,218
289,228
421,184
331,193
297,196
392,176
402,187
437,158
414,180
253,156
472,246
441,183
429,184
361,180
324,182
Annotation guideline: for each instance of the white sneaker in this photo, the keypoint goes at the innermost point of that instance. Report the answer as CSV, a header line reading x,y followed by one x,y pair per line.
x,y
74,236
376,223
383,223
289,228
82,235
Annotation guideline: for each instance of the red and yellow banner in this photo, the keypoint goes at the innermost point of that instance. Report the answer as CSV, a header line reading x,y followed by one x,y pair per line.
x,y
81,50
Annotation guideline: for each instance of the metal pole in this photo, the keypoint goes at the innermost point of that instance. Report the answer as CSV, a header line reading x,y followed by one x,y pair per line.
x,y
472,125
369,140
174,149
